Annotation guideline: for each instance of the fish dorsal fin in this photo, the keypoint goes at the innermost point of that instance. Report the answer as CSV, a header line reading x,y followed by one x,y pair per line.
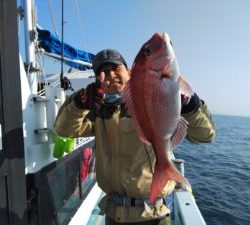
x,y
126,96
185,87
180,133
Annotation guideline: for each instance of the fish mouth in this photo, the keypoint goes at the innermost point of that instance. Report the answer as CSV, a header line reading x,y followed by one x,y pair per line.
x,y
167,39
165,36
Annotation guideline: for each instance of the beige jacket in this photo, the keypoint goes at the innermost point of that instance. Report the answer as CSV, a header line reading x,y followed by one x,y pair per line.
x,y
125,165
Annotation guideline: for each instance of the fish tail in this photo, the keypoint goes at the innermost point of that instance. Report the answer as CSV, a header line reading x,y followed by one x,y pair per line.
x,y
161,177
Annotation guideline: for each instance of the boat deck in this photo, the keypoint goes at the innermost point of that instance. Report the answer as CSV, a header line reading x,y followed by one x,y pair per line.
x,y
96,217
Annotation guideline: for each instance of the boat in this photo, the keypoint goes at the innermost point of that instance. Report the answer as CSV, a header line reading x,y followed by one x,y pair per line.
x,y
37,186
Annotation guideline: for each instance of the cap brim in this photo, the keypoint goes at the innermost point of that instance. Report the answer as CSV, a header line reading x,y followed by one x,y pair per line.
x,y
118,63
111,61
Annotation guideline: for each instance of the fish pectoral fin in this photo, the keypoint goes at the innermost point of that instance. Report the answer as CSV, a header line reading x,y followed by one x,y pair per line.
x,y
185,87
179,134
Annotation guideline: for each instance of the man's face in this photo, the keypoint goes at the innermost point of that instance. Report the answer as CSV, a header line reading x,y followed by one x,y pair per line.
x,y
113,77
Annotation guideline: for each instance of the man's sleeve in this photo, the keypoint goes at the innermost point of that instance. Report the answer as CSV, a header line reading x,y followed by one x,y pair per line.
x,y
71,121
201,127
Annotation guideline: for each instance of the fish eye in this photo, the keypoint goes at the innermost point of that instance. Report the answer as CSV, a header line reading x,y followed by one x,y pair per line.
x,y
146,51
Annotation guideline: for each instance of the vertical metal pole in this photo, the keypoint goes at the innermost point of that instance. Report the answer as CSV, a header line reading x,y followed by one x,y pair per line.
x,y
62,55
29,45
13,199
50,108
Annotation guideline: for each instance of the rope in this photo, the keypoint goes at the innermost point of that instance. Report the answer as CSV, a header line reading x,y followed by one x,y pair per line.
x,y
62,53
41,64
81,25
52,16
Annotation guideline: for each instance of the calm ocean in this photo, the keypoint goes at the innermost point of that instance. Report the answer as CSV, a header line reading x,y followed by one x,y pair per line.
x,y
219,172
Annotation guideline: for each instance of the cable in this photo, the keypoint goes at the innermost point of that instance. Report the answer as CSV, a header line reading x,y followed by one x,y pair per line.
x,y
62,53
80,23
81,26
65,82
52,16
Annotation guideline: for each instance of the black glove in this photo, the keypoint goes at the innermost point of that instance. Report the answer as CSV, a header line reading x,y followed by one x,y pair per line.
x,y
91,97
190,104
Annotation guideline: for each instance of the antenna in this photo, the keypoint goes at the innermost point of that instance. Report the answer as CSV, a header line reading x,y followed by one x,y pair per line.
x,y
62,53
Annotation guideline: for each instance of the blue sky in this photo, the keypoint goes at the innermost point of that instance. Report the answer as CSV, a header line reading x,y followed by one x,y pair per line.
x,y
211,39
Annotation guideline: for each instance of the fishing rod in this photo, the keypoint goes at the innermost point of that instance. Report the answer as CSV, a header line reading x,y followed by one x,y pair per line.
x,y
65,82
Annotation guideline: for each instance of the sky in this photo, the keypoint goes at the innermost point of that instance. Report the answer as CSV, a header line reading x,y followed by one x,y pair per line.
x,y
211,39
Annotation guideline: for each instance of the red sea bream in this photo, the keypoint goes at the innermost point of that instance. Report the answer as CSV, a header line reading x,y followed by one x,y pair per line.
x,y
153,97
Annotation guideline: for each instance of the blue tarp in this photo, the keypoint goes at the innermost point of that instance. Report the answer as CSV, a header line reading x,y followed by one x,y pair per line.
x,y
51,44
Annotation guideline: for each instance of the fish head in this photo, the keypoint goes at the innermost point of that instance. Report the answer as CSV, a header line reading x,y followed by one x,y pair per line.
x,y
157,56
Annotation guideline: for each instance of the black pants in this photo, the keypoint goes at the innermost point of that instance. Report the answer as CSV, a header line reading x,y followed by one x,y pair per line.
x,y
164,221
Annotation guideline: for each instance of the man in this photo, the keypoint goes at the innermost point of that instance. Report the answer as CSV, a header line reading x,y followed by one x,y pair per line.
x,y
124,165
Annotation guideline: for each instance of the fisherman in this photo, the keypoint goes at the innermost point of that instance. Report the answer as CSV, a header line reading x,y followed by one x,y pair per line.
x,y
124,164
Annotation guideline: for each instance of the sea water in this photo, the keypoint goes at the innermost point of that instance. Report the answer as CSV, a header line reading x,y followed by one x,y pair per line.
x,y
219,172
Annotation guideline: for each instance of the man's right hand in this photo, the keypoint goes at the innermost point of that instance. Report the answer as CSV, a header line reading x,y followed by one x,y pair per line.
x,y
91,97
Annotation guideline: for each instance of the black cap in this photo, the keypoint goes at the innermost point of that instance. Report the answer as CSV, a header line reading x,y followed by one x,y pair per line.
x,y
107,56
